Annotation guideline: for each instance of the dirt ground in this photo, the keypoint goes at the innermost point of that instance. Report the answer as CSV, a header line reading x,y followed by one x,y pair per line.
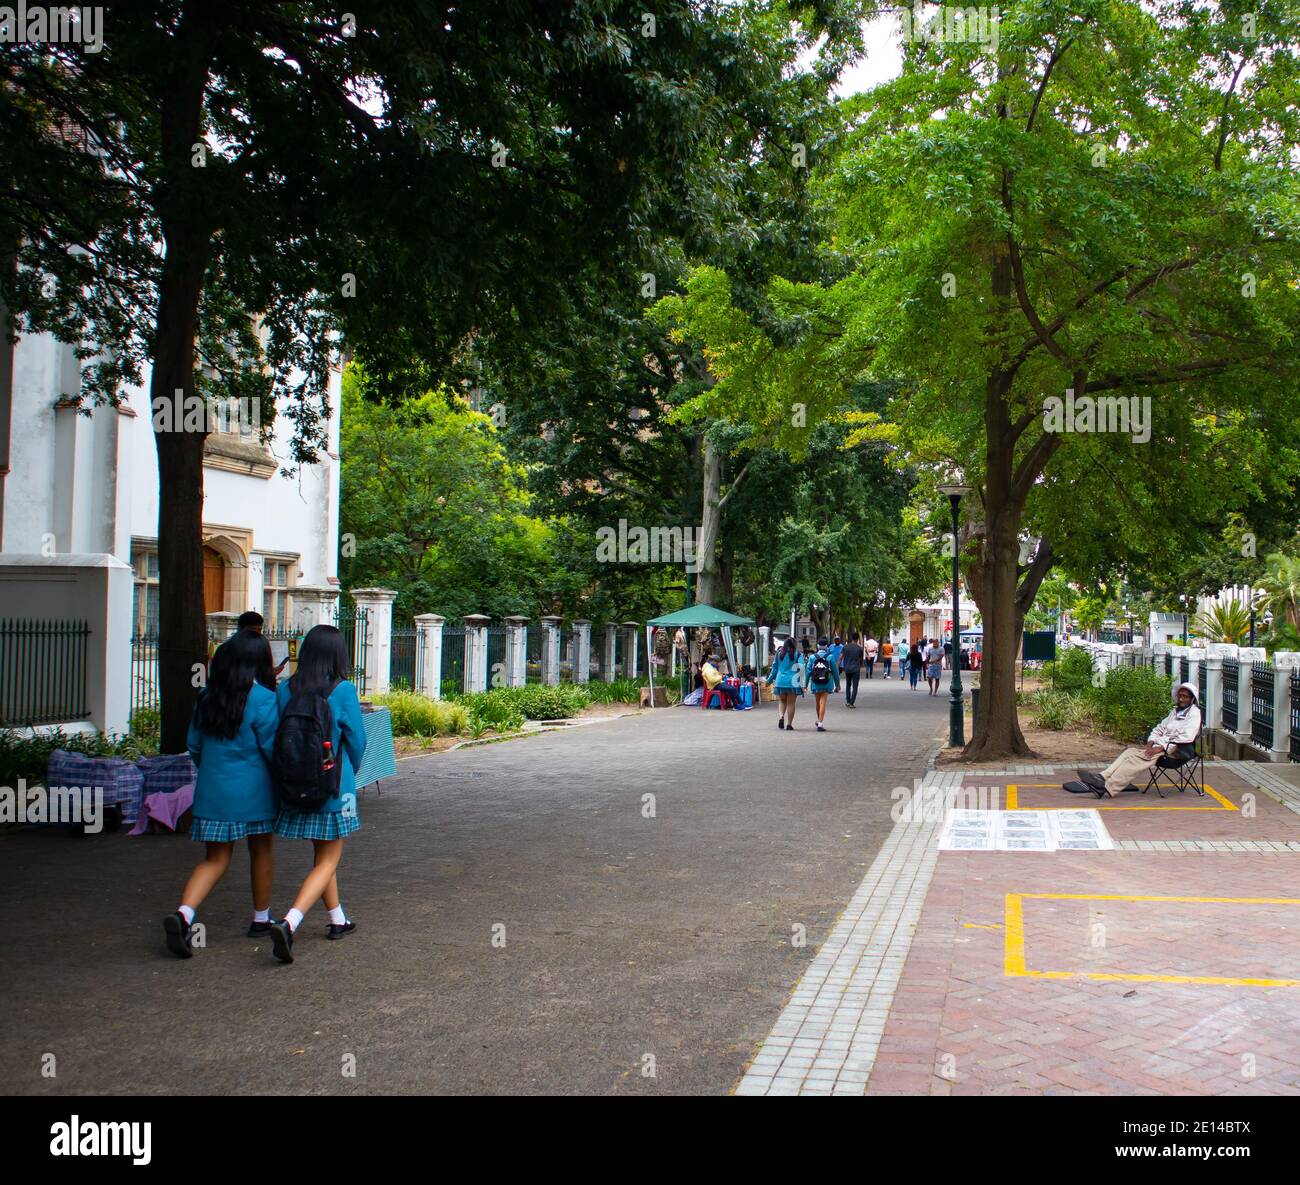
x,y
1066,747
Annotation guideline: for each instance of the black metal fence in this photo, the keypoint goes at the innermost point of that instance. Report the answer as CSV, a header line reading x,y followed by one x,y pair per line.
x,y
1231,683
1184,669
43,671
452,675
353,623
1261,705
496,656
1202,667
1293,750
403,655
533,666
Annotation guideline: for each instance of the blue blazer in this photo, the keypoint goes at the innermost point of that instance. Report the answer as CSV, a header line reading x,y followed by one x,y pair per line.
x,y
783,674
234,783
348,739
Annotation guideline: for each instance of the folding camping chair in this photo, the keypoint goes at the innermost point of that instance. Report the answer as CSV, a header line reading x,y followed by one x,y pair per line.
x,y
1180,773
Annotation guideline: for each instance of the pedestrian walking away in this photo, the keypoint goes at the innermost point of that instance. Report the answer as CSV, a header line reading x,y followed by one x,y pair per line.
x,y
871,648
787,679
822,678
850,663
230,740
887,655
318,748
835,649
914,664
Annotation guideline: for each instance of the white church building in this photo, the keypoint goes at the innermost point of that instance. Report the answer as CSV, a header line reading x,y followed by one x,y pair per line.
x,y
78,537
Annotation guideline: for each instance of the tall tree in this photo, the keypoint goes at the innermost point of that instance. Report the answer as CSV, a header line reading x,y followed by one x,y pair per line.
x,y
1038,220
405,176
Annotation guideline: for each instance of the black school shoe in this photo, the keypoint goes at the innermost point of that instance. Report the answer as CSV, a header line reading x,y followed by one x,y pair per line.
x,y
780,722
337,932
176,930
259,929
282,941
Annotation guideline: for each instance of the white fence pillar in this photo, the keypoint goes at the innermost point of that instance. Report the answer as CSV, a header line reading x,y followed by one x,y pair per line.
x,y
428,654
378,606
222,624
313,606
516,650
1247,657
551,650
1284,662
1212,709
631,648
608,653
582,651
476,651
764,649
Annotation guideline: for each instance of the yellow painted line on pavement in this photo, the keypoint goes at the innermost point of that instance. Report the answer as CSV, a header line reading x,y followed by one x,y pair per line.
x,y
1014,949
1013,801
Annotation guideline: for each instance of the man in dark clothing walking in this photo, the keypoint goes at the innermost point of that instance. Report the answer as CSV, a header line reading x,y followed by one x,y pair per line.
x,y
851,669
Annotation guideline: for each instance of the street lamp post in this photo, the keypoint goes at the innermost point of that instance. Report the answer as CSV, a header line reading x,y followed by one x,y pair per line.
x,y
1183,598
956,725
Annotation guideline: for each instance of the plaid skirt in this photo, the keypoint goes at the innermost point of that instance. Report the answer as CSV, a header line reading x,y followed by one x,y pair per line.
x,y
219,831
317,825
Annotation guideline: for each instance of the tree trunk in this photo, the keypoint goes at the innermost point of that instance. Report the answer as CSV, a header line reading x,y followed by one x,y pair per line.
x,y
706,551
182,632
183,199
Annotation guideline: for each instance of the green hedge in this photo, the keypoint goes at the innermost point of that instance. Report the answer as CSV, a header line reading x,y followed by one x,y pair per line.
x,y
1072,673
1132,702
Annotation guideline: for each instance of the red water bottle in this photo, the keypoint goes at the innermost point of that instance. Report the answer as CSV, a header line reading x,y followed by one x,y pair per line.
x,y
329,756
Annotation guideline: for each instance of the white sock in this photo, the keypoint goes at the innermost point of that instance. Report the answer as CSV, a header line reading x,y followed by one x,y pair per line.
x,y
294,918
338,917
187,913
261,915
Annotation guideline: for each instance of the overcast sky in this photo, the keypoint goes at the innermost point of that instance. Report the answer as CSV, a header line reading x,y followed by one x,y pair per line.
x,y
882,61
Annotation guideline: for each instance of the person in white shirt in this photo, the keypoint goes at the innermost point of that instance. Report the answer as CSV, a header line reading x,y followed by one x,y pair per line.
x,y
1168,738
870,649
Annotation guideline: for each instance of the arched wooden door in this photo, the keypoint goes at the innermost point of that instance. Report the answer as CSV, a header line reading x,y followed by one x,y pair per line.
x,y
214,581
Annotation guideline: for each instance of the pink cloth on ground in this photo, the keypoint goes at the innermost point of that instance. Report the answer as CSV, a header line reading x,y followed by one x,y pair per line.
x,y
166,808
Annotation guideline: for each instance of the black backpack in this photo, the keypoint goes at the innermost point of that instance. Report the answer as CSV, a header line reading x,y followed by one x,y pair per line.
x,y
821,670
306,770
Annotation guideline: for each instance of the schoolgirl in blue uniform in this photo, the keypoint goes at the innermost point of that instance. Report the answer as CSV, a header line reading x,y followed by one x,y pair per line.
x,y
230,740
323,667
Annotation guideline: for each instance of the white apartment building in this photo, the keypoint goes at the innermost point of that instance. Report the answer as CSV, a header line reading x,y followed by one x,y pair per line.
x,y
78,525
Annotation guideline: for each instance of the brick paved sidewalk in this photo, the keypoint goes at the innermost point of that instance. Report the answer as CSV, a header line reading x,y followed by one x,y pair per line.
x,y
1169,966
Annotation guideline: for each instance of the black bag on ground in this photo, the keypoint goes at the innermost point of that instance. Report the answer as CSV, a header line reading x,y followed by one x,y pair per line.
x,y
304,766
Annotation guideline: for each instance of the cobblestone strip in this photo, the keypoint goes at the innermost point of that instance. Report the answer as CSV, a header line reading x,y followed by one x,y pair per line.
x,y
826,1038
1208,845
1259,776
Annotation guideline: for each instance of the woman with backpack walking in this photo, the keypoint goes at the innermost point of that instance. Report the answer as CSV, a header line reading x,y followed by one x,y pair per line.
x,y
786,677
823,677
320,713
914,663
231,738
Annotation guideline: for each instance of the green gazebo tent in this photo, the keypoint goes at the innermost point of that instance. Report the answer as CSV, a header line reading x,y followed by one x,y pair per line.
x,y
696,617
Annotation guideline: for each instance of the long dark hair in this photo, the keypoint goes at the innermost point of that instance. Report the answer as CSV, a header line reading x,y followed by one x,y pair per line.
x,y
240,660
788,650
323,661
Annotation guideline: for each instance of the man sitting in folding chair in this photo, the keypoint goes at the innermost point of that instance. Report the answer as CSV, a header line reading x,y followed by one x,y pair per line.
x,y
1171,746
